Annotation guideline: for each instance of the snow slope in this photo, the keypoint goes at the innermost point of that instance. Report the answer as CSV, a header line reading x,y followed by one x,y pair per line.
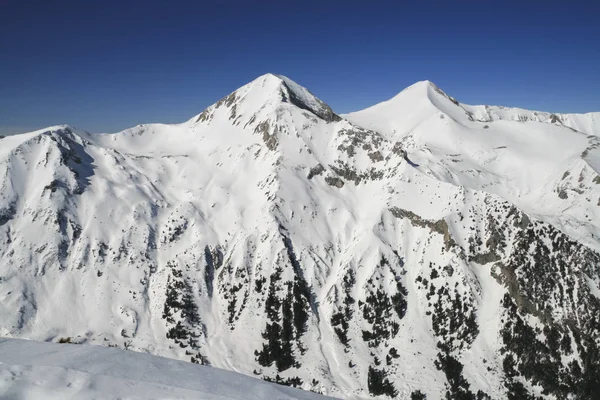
x,y
540,162
415,246
34,370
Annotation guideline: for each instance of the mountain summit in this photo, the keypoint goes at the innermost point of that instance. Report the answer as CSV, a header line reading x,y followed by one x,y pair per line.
x,y
419,247
269,93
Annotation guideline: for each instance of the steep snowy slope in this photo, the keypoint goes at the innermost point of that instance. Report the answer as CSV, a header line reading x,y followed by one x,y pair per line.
x,y
546,164
412,250
33,370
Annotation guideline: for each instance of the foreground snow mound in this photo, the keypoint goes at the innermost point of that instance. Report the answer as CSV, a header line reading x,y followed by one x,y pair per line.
x,y
38,371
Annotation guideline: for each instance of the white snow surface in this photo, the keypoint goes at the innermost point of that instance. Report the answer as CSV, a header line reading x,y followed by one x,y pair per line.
x,y
98,230
519,155
32,370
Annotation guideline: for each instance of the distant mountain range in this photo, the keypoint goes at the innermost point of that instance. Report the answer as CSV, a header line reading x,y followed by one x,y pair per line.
x,y
420,247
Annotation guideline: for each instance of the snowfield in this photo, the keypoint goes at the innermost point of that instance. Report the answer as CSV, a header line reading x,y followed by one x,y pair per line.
x,y
419,247
34,370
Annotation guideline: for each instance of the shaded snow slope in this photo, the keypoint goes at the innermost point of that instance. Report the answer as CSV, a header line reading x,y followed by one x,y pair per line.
x,y
407,248
34,370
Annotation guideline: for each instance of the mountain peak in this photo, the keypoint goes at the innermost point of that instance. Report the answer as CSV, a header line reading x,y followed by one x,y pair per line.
x,y
426,87
283,89
410,232
269,92
424,83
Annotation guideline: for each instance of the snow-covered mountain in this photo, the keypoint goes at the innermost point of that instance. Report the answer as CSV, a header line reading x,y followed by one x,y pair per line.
x,y
418,247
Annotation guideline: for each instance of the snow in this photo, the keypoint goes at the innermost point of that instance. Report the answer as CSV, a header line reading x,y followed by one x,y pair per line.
x,y
36,371
96,228
517,154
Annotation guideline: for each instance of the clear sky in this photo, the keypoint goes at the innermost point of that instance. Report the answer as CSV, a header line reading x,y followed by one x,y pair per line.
x,y
104,66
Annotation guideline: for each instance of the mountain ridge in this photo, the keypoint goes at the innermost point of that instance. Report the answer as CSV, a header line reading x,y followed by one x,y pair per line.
x,y
266,235
586,122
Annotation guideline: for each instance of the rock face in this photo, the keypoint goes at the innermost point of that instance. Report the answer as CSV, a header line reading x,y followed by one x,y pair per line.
x,y
271,236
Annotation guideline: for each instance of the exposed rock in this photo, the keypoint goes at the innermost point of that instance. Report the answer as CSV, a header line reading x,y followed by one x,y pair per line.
x,y
270,138
323,111
334,181
439,226
315,171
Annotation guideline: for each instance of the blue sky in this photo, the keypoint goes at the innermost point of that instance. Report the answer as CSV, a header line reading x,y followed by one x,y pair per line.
x,y
104,66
